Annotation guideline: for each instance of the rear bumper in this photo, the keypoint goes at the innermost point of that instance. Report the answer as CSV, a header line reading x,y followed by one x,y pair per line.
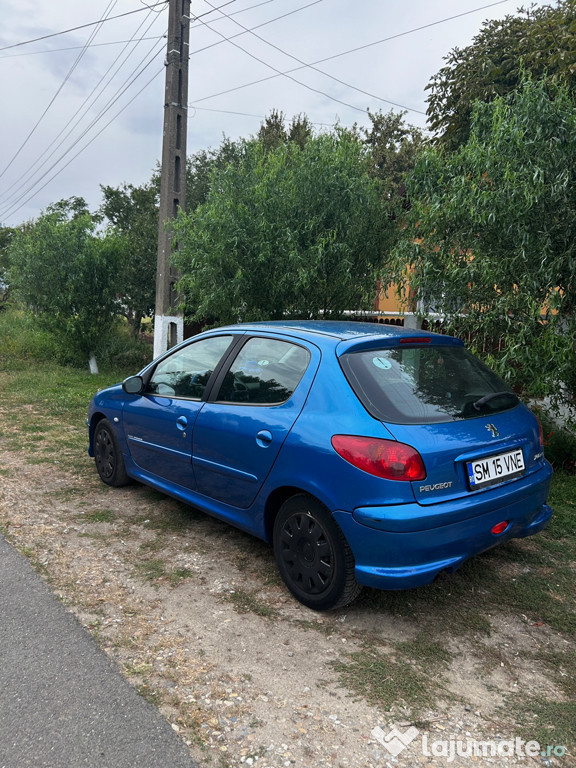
x,y
403,559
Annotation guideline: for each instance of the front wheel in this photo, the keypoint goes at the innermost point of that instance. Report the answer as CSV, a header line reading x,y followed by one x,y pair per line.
x,y
313,557
108,456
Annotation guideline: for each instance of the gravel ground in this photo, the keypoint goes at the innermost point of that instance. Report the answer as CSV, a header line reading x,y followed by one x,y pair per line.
x,y
197,619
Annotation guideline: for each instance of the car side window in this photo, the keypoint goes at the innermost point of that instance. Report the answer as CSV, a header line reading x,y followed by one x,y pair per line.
x,y
265,372
187,371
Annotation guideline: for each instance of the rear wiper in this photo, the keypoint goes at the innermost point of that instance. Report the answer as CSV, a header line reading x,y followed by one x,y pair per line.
x,y
479,404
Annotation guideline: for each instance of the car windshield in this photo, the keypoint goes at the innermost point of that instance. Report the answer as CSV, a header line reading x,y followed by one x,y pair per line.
x,y
424,385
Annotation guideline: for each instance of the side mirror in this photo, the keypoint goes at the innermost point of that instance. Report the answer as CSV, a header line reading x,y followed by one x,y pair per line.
x,y
133,385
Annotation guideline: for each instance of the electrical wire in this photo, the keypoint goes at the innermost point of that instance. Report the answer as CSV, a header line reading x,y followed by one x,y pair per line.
x,y
315,69
258,26
121,42
32,190
77,47
93,34
23,203
347,52
81,26
245,114
89,102
279,72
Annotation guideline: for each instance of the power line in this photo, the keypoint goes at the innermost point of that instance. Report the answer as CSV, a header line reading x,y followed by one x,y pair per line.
x,y
16,196
77,47
258,26
35,167
82,26
111,5
349,51
122,42
284,74
15,205
245,114
15,210
315,69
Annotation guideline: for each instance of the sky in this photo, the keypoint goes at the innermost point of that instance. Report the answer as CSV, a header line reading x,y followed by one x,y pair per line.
x,y
85,108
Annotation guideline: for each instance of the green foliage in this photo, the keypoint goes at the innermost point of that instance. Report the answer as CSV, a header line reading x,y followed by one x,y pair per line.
x,y
286,230
201,165
492,241
26,339
65,272
559,443
273,131
538,41
133,212
6,235
394,148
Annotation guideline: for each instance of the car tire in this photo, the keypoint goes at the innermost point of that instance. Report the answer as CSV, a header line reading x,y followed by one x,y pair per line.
x,y
108,456
312,554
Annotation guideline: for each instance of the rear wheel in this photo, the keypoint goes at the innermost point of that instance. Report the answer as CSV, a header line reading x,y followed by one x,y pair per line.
x,y
108,456
313,557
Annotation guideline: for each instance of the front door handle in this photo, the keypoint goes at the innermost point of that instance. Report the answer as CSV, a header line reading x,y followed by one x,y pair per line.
x,y
182,422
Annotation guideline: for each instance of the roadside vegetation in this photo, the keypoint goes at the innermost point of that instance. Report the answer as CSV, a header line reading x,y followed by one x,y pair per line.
x,y
475,227
525,588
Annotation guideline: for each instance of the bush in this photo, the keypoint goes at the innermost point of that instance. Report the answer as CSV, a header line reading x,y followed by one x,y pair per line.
x,y
24,338
559,444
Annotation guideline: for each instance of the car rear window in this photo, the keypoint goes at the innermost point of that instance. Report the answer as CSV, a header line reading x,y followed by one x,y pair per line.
x,y
424,385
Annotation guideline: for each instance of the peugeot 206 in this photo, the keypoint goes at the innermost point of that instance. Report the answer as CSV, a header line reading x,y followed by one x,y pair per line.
x,y
366,454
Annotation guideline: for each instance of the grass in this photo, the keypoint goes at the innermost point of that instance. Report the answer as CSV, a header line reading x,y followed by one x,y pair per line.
x,y
99,516
56,400
42,413
245,601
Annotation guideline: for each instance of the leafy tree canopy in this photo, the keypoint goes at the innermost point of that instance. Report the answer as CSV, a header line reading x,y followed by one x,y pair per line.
x,y
286,230
492,237
538,41
394,148
133,213
274,132
65,271
6,235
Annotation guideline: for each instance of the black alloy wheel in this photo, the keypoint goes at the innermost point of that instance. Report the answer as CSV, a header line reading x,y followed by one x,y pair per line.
x,y
108,456
313,557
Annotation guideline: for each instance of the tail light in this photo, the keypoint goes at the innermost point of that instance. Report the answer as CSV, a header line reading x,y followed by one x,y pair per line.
x,y
383,458
541,431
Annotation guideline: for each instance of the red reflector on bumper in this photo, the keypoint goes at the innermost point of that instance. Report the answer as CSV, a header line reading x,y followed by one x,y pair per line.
x,y
500,527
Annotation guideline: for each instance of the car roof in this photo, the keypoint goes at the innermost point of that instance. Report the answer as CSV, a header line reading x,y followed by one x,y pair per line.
x,y
351,331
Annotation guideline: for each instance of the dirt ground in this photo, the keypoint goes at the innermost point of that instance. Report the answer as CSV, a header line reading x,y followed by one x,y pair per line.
x,y
197,619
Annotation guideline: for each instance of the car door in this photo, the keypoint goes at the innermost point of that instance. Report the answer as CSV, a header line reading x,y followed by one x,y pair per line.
x,y
239,433
158,424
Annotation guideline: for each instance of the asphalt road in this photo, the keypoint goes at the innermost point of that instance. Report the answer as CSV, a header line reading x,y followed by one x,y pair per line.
x,y
63,703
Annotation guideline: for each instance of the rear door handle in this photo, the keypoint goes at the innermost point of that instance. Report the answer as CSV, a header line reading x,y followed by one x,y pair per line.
x,y
264,438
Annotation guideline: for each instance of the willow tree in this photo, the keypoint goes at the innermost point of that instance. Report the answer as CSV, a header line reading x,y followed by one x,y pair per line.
x,y
492,238
291,230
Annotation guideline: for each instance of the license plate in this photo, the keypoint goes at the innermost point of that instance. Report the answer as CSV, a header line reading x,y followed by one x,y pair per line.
x,y
495,469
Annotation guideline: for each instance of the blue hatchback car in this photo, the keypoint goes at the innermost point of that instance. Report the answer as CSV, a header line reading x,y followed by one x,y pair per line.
x,y
367,454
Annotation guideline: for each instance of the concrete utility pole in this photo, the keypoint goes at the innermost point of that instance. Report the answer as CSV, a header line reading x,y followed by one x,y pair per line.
x,y
168,324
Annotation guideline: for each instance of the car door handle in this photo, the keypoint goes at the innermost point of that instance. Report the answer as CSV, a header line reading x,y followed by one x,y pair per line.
x,y
264,438
182,422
